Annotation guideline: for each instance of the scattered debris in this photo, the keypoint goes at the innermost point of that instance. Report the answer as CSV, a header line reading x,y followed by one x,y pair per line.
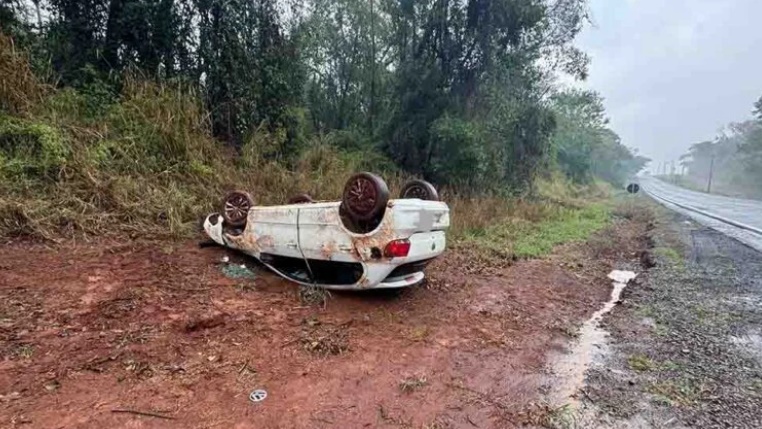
x,y
207,321
52,386
311,295
258,395
322,339
237,272
411,384
142,413
10,397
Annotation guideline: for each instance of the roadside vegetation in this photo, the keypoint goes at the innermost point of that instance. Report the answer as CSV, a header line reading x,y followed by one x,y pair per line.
x,y
134,117
536,230
733,159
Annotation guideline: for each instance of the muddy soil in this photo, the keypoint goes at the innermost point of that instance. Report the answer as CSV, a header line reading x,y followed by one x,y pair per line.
x,y
93,333
687,339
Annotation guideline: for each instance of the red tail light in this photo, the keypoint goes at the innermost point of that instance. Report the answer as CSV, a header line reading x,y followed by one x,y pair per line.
x,y
397,249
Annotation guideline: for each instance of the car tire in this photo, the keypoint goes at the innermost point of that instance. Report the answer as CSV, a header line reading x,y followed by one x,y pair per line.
x,y
420,189
235,208
365,196
301,199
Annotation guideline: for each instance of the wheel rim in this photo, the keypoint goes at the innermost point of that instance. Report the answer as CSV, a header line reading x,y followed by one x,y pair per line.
x,y
237,207
362,196
416,191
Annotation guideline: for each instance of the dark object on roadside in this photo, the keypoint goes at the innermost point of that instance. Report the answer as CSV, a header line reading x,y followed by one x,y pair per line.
x,y
633,188
647,259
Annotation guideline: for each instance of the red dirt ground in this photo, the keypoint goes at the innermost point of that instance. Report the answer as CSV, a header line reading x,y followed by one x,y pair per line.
x,y
86,329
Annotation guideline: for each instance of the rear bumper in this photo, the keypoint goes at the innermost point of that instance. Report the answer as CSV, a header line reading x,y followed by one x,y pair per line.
x,y
398,282
424,246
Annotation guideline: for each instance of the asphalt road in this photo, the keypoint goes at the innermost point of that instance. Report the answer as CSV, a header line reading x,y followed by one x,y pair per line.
x,y
738,218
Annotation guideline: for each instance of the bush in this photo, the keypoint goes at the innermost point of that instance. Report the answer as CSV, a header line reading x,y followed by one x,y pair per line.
x,y
30,149
458,148
158,128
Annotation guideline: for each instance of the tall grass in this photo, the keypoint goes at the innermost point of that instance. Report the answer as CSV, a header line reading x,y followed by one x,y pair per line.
x,y
144,164
20,89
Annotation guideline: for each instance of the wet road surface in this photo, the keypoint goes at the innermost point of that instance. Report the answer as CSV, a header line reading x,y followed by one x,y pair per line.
x,y
686,342
735,217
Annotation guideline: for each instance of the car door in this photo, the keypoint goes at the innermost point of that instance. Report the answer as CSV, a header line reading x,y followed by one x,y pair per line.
x,y
273,230
321,235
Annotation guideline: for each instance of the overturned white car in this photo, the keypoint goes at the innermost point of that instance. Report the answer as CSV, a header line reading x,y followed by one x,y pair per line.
x,y
363,241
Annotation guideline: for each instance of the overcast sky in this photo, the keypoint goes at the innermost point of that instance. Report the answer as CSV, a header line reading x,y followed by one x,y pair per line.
x,y
673,72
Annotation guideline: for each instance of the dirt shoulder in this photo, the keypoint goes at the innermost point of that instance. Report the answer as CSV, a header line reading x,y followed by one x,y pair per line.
x,y
688,344
92,328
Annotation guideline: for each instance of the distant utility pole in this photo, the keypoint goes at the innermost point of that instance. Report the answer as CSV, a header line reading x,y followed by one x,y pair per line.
x,y
711,172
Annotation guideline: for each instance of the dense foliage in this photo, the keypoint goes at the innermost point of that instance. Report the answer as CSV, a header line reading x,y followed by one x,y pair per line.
x,y
733,158
584,146
461,92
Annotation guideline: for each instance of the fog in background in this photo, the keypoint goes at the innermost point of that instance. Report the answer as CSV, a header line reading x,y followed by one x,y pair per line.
x,y
673,73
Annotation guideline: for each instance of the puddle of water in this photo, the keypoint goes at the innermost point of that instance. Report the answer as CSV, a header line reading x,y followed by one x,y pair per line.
x,y
751,343
591,346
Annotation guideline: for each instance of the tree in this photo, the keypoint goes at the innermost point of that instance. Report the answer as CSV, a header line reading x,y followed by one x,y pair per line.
x,y
456,91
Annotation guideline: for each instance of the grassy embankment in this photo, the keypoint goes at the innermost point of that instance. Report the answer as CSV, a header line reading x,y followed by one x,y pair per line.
x,y
76,164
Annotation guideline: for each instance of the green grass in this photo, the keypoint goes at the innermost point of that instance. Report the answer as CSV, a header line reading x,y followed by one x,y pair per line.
x,y
573,225
521,238
563,417
641,363
670,254
682,391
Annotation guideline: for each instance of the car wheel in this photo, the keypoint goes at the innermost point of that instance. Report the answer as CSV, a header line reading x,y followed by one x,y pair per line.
x,y
365,196
236,207
420,189
301,199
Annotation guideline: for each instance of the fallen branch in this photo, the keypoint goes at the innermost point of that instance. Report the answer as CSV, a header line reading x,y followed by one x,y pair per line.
x,y
142,413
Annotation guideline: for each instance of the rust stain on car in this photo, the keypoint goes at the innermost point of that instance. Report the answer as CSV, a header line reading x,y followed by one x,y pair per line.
x,y
328,249
245,241
379,239
265,241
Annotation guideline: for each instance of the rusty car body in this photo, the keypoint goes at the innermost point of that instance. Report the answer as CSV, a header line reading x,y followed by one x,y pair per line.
x,y
318,243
